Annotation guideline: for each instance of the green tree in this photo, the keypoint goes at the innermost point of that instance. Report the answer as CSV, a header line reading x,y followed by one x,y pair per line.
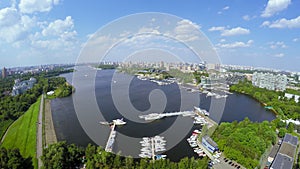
x,y
282,132
291,127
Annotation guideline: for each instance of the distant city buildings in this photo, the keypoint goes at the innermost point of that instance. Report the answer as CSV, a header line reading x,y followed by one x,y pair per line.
x,y
183,67
4,72
22,86
269,81
284,158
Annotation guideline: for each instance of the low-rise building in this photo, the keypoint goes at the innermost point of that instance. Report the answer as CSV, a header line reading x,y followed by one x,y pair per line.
x,y
285,157
209,144
291,96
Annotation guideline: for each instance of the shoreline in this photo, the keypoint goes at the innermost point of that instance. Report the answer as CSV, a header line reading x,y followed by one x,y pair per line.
x,y
50,134
262,103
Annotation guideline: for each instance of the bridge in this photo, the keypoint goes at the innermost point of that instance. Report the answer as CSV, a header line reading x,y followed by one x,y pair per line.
x,y
111,139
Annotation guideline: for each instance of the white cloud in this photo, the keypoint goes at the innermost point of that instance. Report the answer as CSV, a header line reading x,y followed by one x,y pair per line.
x,y
236,44
187,31
13,26
31,6
59,26
283,23
226,8
279,55
275,45
265,23
222,40
217,28
56,35
296,39
230,32
246,17
9,16
235,31
223,9
147,30
275,6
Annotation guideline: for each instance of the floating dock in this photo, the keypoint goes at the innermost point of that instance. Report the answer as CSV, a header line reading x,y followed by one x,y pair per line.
x,y
156,116
152,145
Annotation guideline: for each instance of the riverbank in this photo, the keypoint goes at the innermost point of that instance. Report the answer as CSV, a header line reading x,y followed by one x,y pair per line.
x,y
50,135
262,103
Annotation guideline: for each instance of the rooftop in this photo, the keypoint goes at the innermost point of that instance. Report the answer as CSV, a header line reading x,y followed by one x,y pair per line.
x,y
290,139
282,162
210,141
274,151
287,149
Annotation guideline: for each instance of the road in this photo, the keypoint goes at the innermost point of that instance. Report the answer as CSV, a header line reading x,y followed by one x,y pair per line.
x,y
39,136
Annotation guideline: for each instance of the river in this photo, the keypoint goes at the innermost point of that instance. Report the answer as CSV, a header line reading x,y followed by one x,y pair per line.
x,y
67,125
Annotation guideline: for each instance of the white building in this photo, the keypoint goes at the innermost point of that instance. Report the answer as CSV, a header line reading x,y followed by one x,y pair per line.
x,y
22,86
269,81
290,96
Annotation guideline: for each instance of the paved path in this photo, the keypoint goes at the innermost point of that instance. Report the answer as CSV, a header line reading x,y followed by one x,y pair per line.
x,y
6,132
39,136
50,135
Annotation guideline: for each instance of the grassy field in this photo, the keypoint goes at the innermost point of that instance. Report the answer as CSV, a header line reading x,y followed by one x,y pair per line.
x,y
22,133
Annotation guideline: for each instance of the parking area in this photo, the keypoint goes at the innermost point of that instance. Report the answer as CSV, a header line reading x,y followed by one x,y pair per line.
x,y
227,164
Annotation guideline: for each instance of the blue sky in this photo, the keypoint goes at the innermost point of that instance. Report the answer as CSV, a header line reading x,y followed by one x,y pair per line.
x,y
255,33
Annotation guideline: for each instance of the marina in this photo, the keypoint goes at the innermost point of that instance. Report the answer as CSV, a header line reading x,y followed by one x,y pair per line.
x,y
66,122
151,146
159,82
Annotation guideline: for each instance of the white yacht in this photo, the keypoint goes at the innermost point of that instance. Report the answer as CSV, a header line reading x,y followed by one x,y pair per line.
x,y
119,121
152,116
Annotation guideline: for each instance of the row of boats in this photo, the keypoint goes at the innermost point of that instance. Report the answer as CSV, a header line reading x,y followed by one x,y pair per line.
x,y
159,82
200,120
156,116
201,111
117,122
217,96
192,140
152,145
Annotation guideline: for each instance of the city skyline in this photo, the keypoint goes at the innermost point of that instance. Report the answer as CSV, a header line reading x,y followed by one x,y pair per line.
x,y
260,34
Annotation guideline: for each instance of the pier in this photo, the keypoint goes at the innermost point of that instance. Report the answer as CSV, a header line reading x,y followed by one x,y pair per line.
x,y
152,145
111,139
152,148
156,116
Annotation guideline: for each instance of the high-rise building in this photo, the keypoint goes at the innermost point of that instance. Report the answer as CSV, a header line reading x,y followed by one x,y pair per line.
x,y
4,72
269,81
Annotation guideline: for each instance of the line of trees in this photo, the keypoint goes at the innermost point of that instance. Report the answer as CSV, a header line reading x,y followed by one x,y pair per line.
x,y
12,107
12,159
246,141
284,107
62,155
60,86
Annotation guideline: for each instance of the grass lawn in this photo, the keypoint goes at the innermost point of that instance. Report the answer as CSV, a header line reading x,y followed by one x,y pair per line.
x,y
22,133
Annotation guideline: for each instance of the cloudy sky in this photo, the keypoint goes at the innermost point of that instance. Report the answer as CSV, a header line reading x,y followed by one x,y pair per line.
x,y
264,33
